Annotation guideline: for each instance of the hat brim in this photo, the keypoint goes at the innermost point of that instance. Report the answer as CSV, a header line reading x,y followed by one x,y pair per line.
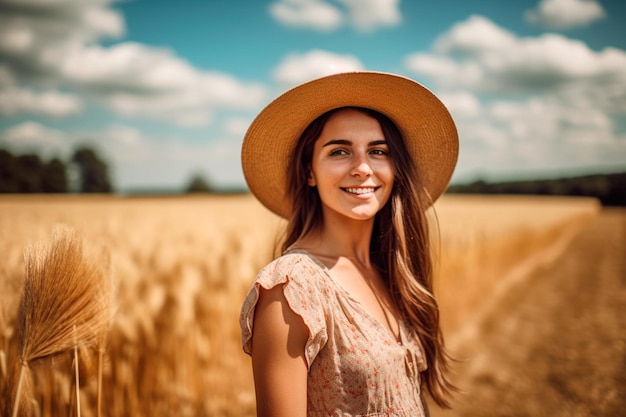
x,y
424,122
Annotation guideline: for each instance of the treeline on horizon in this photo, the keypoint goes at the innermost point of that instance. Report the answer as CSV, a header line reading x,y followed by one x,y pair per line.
x,y
87,172
610,189
84,172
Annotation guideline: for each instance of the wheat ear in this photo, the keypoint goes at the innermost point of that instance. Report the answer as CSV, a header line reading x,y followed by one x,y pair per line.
x,y
65,301
77,381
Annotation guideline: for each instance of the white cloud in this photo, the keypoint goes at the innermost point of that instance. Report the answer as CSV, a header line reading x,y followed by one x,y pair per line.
x,y
34,137
477,35
524,105
16,39
364,15
125,135
53,45
14,100
102,21
368,15
297,68
461,103
168,161
535,142
445,70
236,126
535,136
540,121
494,60
30,27
7,78
564,14
135,80
315,14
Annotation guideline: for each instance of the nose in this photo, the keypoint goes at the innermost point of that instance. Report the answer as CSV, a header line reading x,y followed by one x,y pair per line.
x,y
361,168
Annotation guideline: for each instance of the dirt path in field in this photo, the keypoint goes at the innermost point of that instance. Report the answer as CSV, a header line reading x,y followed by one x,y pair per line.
x,y
556,344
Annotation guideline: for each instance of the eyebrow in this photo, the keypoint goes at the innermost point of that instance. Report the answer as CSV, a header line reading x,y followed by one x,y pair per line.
x,y
349,143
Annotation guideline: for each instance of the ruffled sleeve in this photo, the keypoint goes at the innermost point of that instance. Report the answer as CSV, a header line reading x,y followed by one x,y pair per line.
x,y
300,280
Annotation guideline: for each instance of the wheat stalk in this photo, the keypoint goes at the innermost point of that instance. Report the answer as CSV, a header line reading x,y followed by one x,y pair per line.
x,y
65,302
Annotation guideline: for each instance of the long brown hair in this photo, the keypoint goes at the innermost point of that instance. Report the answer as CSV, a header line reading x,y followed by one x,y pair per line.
x,y
400,244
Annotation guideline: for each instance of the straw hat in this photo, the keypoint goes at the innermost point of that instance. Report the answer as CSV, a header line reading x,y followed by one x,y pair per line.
x,y
424,122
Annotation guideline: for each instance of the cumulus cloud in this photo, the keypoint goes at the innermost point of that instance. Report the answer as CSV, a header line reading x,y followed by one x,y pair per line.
x,y
55,45
297,68
565,14
477,35
34,137
15,100
478,54
533,137
461,103
135,80
370,14
29,28
314,14
322,15
31,134
236,126
168,161
528,101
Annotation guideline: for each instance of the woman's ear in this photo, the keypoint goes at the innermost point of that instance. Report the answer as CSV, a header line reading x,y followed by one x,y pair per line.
x,y
311,180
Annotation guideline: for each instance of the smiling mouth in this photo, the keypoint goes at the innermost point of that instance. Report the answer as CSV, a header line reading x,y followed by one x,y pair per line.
x,y
360,190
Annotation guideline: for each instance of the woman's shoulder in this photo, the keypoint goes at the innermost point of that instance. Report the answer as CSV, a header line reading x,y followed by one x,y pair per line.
x,y
302,282
295,265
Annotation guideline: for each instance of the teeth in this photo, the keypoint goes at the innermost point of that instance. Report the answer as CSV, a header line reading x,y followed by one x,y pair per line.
x,y
360,190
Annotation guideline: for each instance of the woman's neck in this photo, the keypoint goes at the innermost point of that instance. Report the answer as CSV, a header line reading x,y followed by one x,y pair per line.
x,y
337,238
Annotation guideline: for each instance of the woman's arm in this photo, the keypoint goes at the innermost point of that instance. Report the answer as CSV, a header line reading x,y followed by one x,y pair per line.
x,y
278,362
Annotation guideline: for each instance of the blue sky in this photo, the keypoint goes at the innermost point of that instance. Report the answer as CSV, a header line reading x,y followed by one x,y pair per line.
x,y
166,89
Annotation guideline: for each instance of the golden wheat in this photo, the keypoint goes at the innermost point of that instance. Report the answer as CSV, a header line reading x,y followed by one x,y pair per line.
x,y
183,265
65,304
65,300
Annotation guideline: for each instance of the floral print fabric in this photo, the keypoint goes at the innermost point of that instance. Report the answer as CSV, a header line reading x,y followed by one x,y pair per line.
x,y
356,367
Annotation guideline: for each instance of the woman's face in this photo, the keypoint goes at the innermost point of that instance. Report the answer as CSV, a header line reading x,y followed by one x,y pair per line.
x,y
351,167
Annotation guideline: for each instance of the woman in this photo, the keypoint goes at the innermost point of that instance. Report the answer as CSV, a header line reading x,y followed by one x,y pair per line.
x,y
344,322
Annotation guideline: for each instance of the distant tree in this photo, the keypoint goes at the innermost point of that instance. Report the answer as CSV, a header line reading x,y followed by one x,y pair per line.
x,y
28,175
93,171
610,189
8,172
54,177
198,185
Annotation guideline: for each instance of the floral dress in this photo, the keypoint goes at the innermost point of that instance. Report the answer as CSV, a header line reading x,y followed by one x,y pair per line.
x,y
356,367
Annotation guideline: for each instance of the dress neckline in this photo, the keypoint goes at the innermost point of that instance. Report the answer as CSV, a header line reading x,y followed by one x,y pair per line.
x,y
400,339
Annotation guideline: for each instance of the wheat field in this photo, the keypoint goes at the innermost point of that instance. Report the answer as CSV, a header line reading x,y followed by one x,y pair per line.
x,y
182,265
